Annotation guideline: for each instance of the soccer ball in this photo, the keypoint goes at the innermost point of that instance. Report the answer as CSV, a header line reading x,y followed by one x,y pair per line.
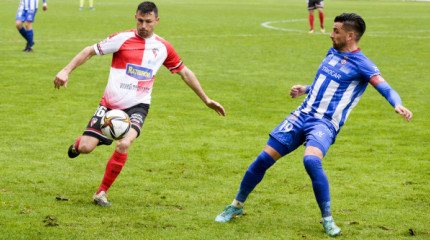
x,y
115,124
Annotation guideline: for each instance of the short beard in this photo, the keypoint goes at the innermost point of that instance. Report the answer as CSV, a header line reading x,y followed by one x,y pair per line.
x,y
339,46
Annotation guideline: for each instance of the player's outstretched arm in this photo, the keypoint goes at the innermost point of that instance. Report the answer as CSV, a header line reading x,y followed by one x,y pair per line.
x,y
297,90
391,95
63,76
191,80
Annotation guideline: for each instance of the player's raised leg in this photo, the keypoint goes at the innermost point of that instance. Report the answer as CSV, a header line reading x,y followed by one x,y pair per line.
x,y
253,176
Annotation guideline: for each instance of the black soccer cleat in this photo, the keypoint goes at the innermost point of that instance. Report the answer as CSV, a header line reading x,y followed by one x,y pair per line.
x,y
26,47
72,152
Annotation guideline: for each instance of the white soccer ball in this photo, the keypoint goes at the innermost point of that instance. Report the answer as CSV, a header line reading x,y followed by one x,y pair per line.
x,y
115,124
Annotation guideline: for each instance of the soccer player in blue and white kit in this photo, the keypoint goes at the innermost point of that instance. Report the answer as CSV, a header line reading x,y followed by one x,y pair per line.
x,y
26,12
340,81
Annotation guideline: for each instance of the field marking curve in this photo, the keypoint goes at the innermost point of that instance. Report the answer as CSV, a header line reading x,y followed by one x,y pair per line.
x,y
372,34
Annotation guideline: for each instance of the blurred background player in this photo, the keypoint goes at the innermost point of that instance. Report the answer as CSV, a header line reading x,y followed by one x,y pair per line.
x,y
81,5
318,4
26,13
338,86
137,56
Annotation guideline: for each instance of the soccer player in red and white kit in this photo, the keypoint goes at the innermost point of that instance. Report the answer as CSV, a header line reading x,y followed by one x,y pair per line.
x,y
137,56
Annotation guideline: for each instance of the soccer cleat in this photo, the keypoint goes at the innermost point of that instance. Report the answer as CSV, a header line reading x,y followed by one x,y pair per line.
x,y
81,8
101,199
91,8
72,151
26,47
229,212
311,31
29,50
322,29
330,228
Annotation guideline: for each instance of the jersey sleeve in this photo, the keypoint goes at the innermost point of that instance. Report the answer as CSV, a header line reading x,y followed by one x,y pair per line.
x,y
173,61
109,45
368,69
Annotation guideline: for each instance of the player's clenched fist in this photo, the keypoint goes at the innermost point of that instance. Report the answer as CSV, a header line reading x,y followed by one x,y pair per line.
x,y
61,80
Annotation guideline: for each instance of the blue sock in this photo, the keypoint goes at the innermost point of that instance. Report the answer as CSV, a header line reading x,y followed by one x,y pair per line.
x,y
320,186
30,37
23,33
254,175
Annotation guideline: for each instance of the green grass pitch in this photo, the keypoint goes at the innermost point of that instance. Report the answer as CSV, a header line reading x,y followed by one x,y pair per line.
x,y
188,163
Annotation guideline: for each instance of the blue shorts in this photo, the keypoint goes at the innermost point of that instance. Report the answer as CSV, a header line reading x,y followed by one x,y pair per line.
x,y
298,129
25,15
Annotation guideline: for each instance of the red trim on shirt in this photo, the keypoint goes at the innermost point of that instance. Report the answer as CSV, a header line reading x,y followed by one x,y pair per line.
x,y
358,49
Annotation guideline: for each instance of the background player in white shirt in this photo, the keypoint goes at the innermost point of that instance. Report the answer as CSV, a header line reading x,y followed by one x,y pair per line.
x,y
26,12
137,56
340,82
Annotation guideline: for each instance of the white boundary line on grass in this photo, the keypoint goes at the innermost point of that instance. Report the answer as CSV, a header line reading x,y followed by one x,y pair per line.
x,y
268,24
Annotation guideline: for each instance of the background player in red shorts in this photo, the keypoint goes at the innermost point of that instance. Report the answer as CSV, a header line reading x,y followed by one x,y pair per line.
x,y
137,56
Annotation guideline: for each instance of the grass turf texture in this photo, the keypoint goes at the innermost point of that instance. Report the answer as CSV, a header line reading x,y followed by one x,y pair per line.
x,y
188,163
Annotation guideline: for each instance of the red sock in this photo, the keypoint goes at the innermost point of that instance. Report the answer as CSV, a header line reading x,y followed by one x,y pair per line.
x,y
77,144
113,168
321,19
311,21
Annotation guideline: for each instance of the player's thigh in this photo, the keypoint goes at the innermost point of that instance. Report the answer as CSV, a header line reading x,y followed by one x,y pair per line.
x,y
286,137
94,126
31,14
319,4
312,4
137,116
319,135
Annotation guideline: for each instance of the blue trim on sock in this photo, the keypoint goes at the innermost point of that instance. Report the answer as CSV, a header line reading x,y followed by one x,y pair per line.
x,y
320,184
254,175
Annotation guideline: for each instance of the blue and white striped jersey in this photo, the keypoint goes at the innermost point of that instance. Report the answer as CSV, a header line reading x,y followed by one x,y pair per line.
x,y
340,81
29,4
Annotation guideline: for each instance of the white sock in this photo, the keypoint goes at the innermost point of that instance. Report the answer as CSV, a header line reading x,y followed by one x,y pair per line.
x,y
328,218
237,204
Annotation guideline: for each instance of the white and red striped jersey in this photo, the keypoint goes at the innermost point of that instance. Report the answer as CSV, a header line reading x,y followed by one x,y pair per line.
x,y
135,63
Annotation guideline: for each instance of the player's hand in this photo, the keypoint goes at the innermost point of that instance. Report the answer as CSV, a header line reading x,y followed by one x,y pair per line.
x,y
297,90
406,114
216,106
61,79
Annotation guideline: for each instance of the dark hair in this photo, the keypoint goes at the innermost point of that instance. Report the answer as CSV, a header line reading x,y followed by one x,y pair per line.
x,y
147,7
352,22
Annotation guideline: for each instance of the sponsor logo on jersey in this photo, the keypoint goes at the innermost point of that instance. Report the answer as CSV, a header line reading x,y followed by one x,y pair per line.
x,y
138,72
331,72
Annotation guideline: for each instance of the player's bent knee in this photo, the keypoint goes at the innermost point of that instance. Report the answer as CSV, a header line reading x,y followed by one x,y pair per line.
x,y
87,144
123,145
18,24
85,148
